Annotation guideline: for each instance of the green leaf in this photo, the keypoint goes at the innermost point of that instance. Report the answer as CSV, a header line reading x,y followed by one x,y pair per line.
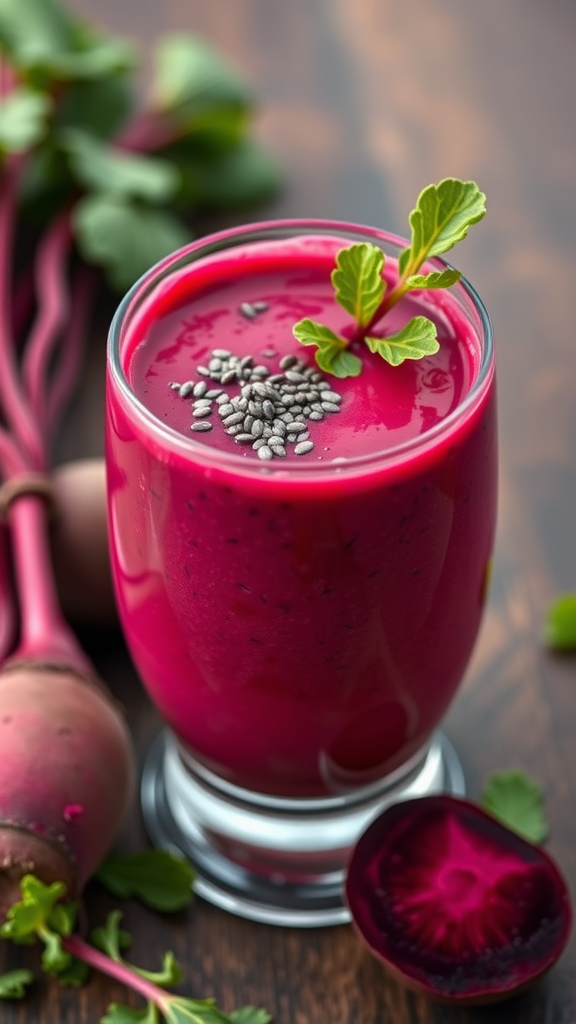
x,y
110,938
192,81
517,801
98,106
233,179
443,214
26,918
416,340
437,279
332,355
23,119
179,1010
101,168
560,624
358,280
250,1015
156,877
46,43
118,1014
34,28
54,958
126,240
13,983
75,974
62,918
171,973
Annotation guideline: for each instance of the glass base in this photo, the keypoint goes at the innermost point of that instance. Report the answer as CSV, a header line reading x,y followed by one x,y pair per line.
x,y
272,859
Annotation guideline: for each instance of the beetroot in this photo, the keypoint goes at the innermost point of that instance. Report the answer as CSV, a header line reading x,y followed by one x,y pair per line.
x,y
65,780
455,904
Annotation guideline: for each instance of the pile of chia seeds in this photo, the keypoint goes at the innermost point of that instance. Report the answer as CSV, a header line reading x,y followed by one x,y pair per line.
x,y
271,411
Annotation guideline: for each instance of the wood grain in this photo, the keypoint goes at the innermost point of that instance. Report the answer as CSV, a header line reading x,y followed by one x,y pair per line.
x,y
364,103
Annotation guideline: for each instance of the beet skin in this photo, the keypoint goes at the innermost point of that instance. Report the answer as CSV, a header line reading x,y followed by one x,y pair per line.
x,y
66,776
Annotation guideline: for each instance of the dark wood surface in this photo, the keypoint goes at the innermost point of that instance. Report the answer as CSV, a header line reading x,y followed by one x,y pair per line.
x,y
364,102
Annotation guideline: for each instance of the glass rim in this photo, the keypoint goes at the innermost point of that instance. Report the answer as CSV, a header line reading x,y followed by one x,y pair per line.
x,y
258,231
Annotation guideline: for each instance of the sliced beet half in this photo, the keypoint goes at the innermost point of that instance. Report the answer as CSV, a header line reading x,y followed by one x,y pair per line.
x,y
454,903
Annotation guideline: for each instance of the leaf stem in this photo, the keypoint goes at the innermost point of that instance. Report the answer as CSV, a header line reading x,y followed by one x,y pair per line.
x,y
119,971
390,299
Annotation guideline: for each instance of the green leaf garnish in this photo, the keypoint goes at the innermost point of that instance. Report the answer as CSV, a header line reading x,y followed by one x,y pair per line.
x,y
517,801
358,281
443,214
156,877
23,119
332,355
436,279
13,983
415,340
560,624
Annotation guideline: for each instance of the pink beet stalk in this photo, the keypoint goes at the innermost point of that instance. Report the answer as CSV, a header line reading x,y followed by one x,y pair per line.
x,y
7,608
17,414
72,346
45,636
120,972
53,301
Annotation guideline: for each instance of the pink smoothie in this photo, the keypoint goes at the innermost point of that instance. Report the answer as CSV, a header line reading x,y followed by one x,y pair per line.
x,y
301,623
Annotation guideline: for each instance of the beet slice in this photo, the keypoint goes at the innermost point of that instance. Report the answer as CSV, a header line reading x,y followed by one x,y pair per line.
x,y
454,903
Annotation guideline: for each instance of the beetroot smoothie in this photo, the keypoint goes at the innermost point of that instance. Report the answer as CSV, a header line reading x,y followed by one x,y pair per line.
x,y
303,621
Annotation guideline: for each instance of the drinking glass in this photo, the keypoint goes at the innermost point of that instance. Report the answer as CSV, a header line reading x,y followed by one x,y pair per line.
x,y
301,624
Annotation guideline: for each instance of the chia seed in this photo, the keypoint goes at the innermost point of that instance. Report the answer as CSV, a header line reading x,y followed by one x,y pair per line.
x,y
303,448
228,377
272,410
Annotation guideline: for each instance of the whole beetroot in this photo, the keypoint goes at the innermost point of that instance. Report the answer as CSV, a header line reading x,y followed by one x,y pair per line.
x,y
67,766
65,777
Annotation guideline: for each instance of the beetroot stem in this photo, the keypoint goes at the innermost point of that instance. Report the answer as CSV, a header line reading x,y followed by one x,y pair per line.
x,y
7,606
14,404
72,345
121,972
45,635
53,301
148,132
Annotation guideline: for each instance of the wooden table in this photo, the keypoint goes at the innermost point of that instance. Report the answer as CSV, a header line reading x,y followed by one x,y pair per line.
x,y
364,102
